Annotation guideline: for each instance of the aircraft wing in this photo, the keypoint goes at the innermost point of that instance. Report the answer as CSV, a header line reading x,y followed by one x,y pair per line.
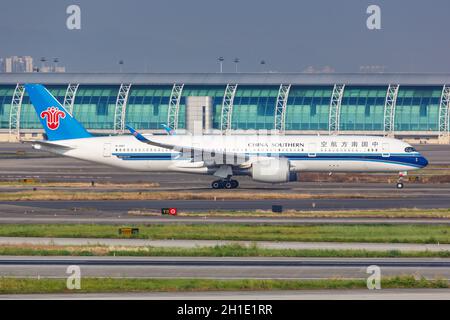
x,y
48,144
207,155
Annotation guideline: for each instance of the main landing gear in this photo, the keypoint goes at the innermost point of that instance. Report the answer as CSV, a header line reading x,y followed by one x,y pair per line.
x,y
225,184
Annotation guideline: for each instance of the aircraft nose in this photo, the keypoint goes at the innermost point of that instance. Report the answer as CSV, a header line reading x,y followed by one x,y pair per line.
x,y
423,161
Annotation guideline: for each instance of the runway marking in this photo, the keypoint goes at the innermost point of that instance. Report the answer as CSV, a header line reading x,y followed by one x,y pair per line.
x,y
333,294
393,262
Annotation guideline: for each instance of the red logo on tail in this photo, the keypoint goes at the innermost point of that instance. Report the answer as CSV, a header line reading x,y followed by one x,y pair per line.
x,y
53,114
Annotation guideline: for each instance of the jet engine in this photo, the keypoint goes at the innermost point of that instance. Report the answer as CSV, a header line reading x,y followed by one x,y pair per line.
x,y
272,170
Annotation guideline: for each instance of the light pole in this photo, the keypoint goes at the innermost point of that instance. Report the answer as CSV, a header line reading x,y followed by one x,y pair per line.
x,y
43,63
120,65
262,63
220,59
236,61
55,61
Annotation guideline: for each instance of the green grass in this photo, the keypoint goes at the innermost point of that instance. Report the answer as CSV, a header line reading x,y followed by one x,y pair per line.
x,y
91,285
321,233
386,213
58,195
231,250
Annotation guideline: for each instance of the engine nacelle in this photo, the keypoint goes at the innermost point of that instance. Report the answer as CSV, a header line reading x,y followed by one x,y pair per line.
x,y
272,170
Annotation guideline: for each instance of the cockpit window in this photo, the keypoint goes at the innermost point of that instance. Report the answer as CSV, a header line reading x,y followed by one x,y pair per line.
x,y
410,149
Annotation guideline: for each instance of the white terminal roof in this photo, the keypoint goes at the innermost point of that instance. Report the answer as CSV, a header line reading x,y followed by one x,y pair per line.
x,y
271,78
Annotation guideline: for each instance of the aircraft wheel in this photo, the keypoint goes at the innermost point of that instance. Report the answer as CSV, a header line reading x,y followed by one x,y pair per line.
x,y
217,184
228,185
400,185
234,184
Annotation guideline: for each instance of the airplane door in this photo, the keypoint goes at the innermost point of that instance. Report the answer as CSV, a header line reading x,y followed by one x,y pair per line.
x,y
385,150
312,149
107,150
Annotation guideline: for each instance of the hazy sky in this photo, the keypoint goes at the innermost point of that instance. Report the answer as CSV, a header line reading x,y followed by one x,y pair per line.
x,y
189,35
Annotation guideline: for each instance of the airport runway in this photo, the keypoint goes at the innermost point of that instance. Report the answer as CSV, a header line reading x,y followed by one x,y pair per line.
x,y
192,244
358,294
15,214
107,219
124,206
222,268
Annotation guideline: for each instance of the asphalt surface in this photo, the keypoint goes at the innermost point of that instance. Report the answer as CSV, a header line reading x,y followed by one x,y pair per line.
x,y
191,244
124,206
221,268
36,217
360,294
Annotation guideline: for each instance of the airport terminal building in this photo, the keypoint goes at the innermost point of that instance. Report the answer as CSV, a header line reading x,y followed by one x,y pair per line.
x,y
409,106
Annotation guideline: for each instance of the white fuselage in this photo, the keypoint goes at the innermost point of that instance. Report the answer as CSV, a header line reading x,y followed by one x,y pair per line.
x,y
305,153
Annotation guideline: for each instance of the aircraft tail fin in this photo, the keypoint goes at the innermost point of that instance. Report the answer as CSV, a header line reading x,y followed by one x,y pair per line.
x,y
58,123
169,130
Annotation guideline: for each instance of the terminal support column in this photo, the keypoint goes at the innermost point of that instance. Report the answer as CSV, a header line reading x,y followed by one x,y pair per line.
x,y
121,108
174,106
444,112
227,108
14,114
389,110
69,98
335,109
280,108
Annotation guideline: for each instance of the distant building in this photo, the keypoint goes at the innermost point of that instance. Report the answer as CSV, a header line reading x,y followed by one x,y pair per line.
x,y
16,64
46,69
325,69
19,64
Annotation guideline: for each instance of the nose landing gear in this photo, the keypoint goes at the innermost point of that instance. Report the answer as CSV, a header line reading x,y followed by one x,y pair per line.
x,y
401,175
225,184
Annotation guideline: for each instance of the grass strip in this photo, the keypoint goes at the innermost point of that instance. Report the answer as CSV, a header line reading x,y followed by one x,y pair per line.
x,y
43,195
97,285
376,233
389,213
231,250
66,184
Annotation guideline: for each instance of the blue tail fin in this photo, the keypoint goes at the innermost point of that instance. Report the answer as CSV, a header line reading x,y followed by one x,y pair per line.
x,y
169,130
57,122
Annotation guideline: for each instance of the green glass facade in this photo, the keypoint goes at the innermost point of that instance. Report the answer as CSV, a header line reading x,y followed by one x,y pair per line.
x,y
308,108
418,109
147,106
362,107
94,106
6,93
254,107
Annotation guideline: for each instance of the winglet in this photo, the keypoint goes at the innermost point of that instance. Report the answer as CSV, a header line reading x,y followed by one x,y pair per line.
x,y
137,135
169,130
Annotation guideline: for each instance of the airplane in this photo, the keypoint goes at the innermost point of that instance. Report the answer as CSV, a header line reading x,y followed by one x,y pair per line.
x,y
265,158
